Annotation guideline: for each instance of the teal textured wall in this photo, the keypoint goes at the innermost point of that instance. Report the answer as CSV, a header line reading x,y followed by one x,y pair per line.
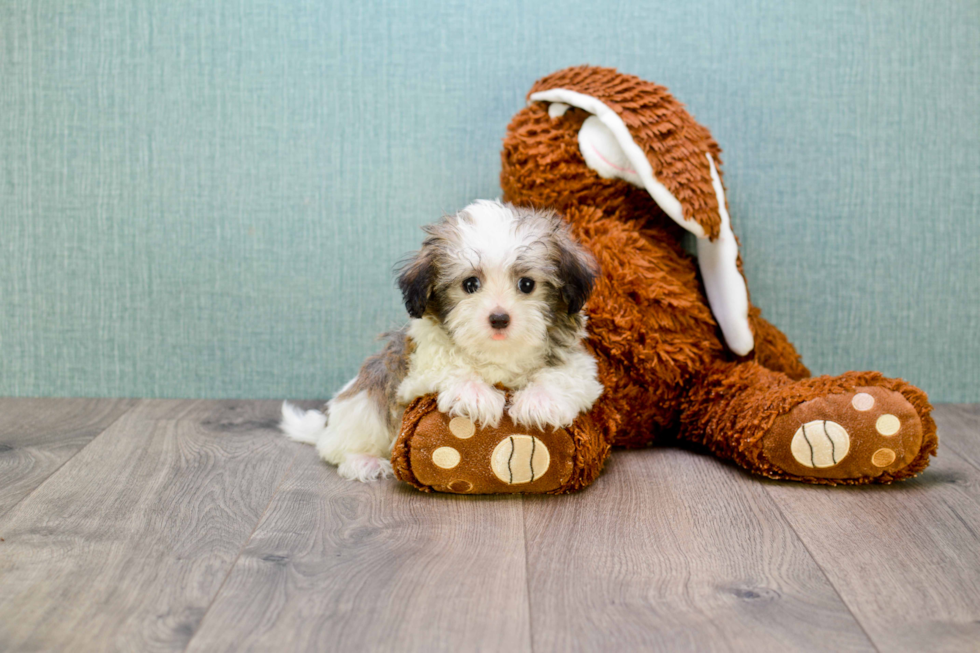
x,y
206,198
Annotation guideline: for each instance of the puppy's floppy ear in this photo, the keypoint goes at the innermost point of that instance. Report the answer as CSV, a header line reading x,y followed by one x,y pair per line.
x,y
416,279
577,271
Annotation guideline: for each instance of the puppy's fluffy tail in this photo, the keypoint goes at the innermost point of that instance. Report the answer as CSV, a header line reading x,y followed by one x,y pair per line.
x,y
302,425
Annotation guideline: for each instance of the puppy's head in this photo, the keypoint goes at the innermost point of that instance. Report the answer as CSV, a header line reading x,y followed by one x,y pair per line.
x,y
502,281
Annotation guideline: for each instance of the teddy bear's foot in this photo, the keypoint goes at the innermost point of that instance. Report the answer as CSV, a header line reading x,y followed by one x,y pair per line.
x,y
452,454
868,433
439,452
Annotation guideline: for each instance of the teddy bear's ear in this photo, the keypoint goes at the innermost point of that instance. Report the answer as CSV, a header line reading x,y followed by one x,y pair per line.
x,y
638,132
609,148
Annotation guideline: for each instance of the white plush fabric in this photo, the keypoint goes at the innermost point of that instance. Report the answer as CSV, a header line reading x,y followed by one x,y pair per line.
x,y
724,284
603,154
557,109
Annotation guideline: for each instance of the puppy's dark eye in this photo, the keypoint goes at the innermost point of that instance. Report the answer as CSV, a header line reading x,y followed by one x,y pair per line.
x,y
525,285
471,285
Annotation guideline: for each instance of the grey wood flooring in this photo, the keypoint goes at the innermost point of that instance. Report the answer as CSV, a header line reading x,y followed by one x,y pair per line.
x,y
144,525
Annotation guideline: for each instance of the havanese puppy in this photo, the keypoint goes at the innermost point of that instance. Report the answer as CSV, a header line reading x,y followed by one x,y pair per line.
x,y
495,296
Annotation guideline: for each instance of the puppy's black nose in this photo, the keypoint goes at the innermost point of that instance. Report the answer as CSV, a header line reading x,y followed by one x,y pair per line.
x,y
499,320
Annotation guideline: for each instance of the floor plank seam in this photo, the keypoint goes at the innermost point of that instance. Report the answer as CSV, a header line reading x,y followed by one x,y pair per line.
x,y
234,563
527,576
67,460
823,571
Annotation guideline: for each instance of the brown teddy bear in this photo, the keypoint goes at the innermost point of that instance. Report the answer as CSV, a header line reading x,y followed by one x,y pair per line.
x,y
682,353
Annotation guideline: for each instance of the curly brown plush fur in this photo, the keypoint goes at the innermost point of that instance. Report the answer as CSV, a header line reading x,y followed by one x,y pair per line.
x,y
662,357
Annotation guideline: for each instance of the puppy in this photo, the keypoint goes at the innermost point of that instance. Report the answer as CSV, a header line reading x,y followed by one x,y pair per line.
x,y
495,296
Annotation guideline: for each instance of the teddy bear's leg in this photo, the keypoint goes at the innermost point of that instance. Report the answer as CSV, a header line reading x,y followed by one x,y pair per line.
x,y
859,427
773,349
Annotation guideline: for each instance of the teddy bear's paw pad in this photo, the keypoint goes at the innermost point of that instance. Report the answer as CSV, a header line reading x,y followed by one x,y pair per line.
x,y
457,456
520,459
826,444
861,434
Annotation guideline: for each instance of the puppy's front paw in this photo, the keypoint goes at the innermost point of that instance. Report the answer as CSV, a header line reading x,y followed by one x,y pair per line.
x,y
474,400
364,467
538,406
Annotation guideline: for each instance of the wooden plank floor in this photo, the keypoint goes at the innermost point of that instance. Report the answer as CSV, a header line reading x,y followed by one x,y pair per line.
x,y
192,525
